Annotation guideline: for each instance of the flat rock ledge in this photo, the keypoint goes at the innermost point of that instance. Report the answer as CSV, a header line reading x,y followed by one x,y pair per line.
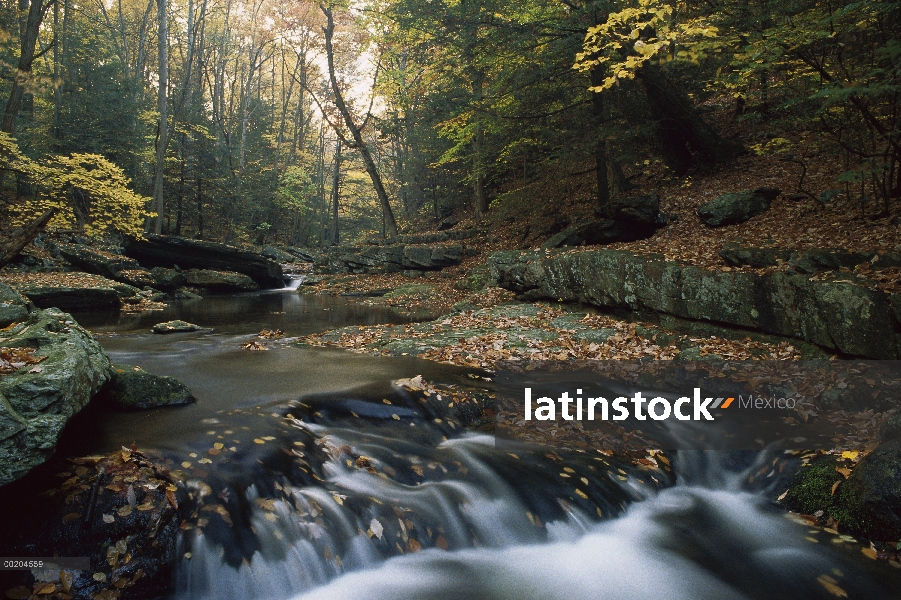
x,y
38,400
838,314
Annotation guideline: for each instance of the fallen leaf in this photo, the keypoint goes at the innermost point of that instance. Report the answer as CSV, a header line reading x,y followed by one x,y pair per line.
x,y
375,529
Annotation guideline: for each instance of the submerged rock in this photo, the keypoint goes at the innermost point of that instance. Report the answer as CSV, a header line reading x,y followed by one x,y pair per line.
x,y
38,400
737,207
175,326
133,388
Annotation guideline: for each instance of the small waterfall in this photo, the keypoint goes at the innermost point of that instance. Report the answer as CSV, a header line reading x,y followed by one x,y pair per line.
x,y
383,498
293,282
334,499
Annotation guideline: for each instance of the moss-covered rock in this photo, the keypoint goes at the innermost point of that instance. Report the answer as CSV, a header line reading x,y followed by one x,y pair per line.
x,y
133,388
13,306
835,314
175,326
868,504
36,402
811,489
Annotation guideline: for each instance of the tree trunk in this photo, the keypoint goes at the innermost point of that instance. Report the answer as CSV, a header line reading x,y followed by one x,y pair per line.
x,y
29,28
603,208
336,180
23,236
355,132
158,199
686,140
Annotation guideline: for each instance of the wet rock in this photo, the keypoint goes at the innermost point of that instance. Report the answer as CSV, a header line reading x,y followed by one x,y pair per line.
x,y
133,388
737,207
37,401
175,327
869,502
220,281
839,315
167,251
167,279
13,306
123,512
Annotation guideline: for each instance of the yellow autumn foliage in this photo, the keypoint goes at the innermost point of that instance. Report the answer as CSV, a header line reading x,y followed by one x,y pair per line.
x,y
90,193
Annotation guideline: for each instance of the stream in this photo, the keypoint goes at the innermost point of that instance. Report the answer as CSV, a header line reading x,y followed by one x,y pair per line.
x,y
312,476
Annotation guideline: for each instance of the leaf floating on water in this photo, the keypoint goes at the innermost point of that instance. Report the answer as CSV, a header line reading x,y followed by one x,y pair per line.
x,y
413,545
71,517
834,486
832,586
124,511
581,494
259,441
99,577
845,472
109,519
218,445
375,529
186,465
869,552
441,542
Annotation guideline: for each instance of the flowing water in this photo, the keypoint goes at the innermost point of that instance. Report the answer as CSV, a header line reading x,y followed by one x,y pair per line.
x,y
312,476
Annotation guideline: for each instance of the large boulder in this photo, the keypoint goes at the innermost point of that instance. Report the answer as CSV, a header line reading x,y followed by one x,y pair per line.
x,y
304,254
869,502
736,254
38,400
435,257
133,388
169,251
99,262
632,218
73,298
167,279
220,281
840,315
278,254
13,306
737,207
